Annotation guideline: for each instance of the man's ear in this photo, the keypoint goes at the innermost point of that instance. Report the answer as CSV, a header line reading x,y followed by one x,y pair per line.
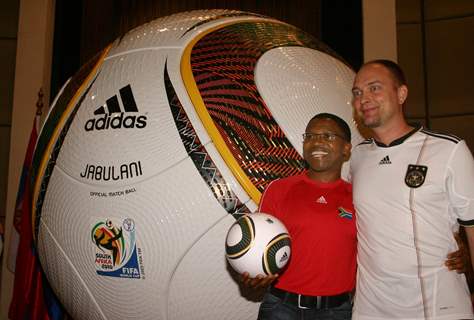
x,y
346,152
402,93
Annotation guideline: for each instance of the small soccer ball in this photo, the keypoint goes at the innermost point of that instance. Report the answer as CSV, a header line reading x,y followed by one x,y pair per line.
x,y
258,243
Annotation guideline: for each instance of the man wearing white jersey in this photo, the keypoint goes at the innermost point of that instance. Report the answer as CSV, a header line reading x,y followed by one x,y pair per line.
x,y
412,188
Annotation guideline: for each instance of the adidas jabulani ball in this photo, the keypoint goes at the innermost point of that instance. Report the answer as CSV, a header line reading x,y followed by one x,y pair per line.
x,y
258,243
153,149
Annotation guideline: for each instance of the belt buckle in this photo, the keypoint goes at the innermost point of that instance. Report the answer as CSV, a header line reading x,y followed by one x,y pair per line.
x,y
299,303
319,302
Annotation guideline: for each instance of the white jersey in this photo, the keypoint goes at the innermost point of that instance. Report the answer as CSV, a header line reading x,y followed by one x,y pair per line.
x,y
409,198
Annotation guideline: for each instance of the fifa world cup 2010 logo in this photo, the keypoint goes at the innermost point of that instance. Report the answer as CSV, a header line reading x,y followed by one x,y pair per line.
x,y
115,250
109,239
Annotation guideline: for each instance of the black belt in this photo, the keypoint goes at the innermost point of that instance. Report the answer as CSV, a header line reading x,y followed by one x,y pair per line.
x,y
311,302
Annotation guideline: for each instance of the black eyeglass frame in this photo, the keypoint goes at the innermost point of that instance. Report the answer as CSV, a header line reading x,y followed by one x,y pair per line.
x,y
326,136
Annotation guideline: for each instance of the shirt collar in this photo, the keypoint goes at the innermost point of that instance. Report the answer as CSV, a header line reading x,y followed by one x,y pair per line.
x,y
398,141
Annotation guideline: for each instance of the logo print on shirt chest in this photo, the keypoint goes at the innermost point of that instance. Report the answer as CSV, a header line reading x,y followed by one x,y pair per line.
x,y
385,160
343,213
415,176
321,200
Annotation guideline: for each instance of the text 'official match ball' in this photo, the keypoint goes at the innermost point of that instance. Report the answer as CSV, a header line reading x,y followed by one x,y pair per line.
x,y
157,146
258,243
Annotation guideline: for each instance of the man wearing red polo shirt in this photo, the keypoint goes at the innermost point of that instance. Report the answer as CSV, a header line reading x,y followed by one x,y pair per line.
x,y
316,207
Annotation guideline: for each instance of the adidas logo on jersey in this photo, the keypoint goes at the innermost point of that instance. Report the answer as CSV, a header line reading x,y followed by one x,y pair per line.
x,y
114,118
321,199
385,160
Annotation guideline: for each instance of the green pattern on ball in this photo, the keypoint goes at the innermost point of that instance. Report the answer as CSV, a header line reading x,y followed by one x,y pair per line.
x,y
247,228
269,263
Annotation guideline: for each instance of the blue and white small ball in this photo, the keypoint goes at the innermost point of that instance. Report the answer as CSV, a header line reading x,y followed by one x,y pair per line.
x,y
258,243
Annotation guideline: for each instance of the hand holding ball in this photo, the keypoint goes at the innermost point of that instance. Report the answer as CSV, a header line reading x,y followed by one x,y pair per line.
x,y
258,243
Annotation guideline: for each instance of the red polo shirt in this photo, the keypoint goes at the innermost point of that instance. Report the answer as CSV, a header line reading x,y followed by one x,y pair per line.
x,y
320,218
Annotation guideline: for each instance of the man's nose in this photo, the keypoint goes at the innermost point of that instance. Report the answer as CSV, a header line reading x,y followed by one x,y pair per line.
x,y
364,96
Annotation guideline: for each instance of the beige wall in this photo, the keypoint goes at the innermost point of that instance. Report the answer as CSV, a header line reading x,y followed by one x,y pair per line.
x,y
32,71
379,29
436,49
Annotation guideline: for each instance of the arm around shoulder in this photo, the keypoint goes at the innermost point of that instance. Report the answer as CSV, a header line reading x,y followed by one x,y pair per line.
x,y
470,241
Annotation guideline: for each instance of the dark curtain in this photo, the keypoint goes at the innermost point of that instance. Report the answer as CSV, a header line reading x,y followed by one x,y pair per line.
x,y
105,20
83,27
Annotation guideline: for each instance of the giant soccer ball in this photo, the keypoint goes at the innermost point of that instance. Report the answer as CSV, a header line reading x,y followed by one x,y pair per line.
x,y
155,147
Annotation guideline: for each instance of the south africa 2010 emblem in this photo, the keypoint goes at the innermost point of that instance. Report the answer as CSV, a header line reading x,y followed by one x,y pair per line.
x,y
116,252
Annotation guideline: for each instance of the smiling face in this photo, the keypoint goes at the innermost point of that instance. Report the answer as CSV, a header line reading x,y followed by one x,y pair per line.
x,y
325,149
377,97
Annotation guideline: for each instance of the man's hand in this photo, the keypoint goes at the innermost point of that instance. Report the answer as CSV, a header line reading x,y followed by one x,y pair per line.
x,y
260,281
458,260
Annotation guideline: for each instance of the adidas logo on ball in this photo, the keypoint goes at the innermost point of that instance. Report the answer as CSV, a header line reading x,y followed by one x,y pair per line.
x,y
284,257
115,118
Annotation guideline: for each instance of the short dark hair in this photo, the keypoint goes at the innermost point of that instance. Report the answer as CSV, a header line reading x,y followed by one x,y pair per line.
x,y
393,68
339,121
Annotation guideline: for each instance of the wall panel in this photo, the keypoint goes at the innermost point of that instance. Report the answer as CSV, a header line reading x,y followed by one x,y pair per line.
x,y
7,65
436,49
450,63
410,55
459,126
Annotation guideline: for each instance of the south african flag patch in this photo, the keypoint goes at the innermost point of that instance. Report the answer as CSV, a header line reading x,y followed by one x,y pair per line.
x,y
343,213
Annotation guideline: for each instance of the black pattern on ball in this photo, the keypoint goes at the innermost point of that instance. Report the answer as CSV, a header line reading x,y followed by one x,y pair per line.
x,y
269,263
247,228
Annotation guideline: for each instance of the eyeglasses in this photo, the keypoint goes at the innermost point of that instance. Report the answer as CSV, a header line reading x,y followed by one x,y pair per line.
x,y
325,136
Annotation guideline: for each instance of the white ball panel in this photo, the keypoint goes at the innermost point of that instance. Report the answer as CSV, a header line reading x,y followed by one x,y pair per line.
x,y
65,279
234,235
158,140
165,231
214,296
